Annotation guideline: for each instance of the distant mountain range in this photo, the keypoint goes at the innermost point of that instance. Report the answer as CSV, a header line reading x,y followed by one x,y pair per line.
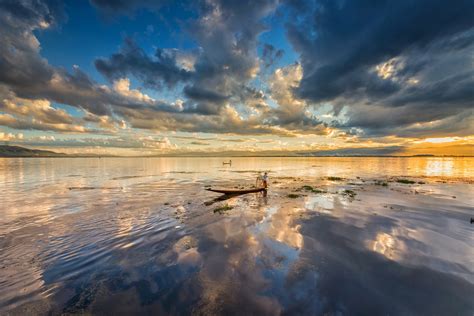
x,y
17,151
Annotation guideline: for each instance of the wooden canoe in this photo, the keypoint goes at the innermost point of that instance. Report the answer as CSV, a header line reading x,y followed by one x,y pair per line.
x,y
236,191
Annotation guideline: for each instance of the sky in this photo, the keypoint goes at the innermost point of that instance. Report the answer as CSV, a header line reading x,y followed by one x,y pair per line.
x,y
322,77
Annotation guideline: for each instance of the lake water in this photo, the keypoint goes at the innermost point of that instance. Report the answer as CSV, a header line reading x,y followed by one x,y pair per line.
x,y
141,235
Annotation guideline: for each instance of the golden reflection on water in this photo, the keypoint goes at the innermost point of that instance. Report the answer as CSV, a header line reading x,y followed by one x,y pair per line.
x,y
440,167
124,226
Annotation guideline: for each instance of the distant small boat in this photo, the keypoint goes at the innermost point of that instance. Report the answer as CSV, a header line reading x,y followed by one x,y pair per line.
x,y
236,191
227,163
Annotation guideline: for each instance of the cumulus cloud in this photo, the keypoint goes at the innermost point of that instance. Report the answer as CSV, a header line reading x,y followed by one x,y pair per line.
x,y
39,114
122,87
33,124
226,32
292,112
40,109
165,67
10,136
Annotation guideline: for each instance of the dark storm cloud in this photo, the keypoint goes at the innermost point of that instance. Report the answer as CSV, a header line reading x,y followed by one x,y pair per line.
x,y
152,71
342,37
49,11
403,123
20,63
200,94
227,31
202,108
444,92
415,56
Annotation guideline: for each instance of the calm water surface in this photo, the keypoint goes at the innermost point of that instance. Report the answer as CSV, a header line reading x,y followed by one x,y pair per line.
x,y
123,235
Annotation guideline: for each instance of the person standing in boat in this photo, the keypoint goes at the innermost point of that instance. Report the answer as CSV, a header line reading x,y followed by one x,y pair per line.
x,y
265,180
262,181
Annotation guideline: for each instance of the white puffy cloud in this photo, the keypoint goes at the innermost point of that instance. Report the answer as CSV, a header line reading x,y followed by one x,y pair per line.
x,y
122,87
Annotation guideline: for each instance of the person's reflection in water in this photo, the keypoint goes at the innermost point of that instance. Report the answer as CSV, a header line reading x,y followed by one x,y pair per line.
x,y
263,195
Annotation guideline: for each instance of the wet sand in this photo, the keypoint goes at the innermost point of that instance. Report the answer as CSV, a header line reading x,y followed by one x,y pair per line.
x,y
319,244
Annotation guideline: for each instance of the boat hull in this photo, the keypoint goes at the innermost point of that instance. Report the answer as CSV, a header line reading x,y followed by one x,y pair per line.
x,y
236,191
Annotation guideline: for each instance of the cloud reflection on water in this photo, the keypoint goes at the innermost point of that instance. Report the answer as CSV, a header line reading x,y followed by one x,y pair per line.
x,y
154,246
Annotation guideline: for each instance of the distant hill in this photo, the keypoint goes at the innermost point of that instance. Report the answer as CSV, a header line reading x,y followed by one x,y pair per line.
x,y
17,151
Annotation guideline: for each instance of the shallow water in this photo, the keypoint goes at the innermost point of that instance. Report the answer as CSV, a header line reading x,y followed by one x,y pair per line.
x,y
122,235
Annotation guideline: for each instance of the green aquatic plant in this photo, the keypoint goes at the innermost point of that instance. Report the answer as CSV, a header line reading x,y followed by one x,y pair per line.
x,y
311,189
293,196
223,208
382,183
405,181
349,193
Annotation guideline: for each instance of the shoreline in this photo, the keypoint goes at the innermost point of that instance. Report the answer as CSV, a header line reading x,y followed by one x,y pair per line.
x,y
236,156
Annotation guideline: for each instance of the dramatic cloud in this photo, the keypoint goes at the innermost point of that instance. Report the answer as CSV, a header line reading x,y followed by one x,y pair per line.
x,y
410,56
25,74
347,72
38,114
29,124
227,34
40,110
152,71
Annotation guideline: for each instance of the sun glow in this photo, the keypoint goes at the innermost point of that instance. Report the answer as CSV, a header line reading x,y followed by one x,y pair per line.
x,y
442,140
